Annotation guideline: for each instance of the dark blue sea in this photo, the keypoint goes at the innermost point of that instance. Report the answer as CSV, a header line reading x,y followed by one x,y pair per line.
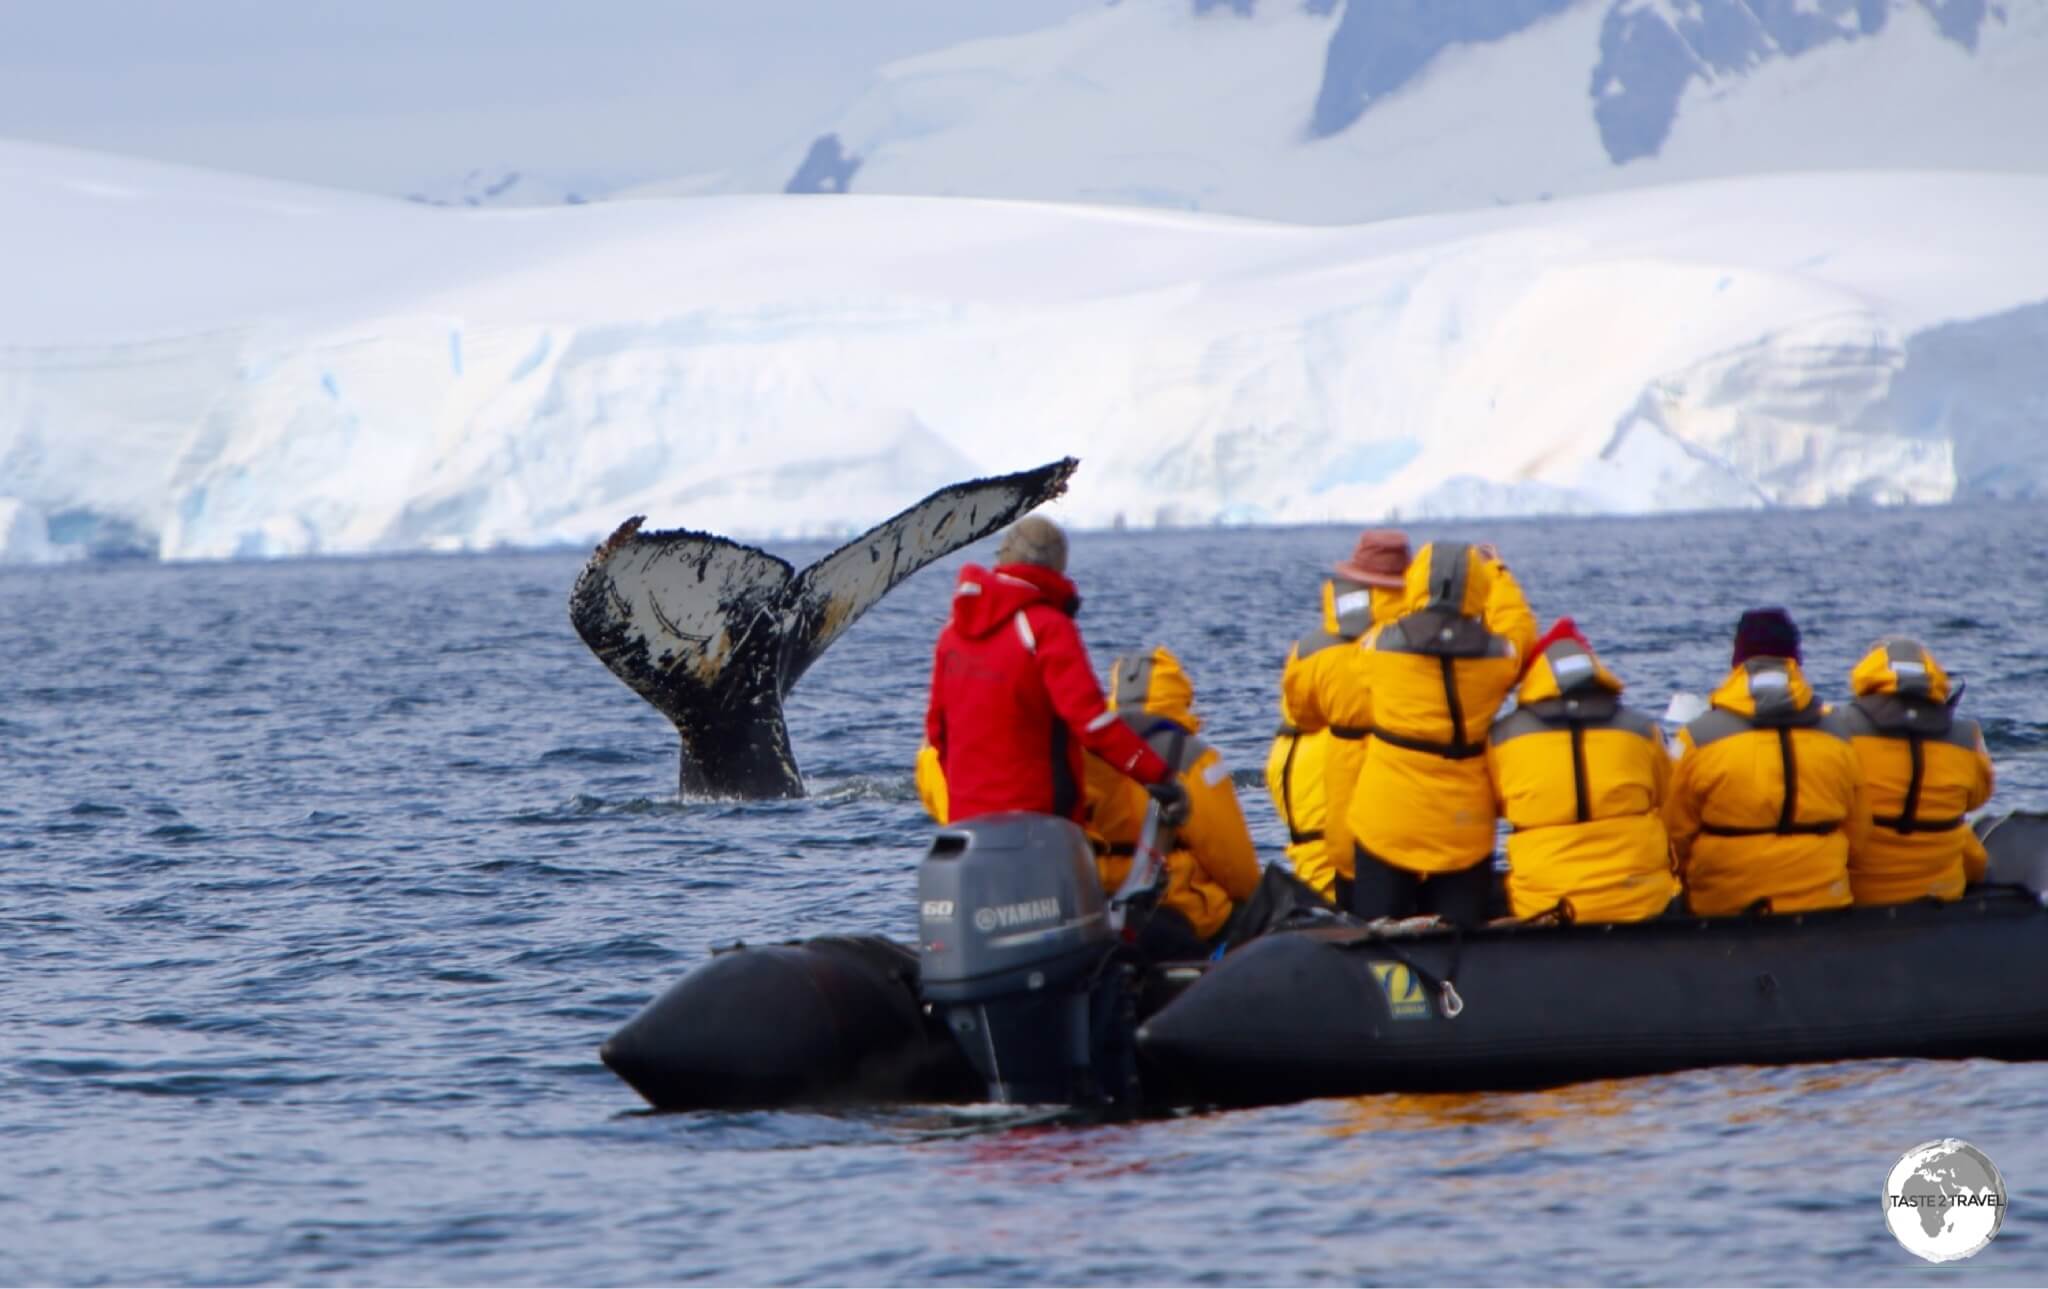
x,y
321,882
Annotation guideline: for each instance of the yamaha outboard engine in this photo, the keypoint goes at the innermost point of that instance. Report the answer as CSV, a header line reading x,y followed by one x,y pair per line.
x,y
1013,943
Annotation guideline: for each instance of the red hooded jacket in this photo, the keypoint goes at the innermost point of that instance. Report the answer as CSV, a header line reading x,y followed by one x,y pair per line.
x,y
1014,702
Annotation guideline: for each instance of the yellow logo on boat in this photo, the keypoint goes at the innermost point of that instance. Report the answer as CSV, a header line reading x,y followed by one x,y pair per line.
x,y
1405,999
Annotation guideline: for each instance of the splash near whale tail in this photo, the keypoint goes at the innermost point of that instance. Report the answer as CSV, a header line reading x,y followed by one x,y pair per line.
x,y
715,633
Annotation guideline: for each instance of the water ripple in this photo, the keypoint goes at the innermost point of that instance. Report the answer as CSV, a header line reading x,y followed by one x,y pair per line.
x,y
304,979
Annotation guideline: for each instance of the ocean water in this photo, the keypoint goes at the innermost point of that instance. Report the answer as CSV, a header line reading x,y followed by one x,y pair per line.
x,y
320,883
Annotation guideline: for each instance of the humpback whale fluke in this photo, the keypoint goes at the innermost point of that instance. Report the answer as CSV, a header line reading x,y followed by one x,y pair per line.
x,y
715,633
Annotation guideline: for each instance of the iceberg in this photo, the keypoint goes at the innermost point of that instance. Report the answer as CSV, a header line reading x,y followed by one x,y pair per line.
x,y
204,366
24,533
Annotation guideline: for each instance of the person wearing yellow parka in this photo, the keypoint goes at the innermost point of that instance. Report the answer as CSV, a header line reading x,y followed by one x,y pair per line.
x,y
1421,814
1307,756
1767,803
1581,778
1213,865
1924,768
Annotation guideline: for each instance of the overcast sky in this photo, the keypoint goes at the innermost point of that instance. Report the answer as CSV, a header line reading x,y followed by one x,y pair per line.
x,y
393,95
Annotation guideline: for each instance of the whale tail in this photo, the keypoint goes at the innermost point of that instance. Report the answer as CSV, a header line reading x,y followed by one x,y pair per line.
x,y
714,633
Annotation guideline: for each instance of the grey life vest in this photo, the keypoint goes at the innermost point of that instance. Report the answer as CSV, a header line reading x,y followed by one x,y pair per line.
x,y
1584,705
1770,688
1174,743
1438,630
1913,717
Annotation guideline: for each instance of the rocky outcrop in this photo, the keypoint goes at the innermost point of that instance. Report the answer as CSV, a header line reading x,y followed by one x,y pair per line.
x,y
1651,50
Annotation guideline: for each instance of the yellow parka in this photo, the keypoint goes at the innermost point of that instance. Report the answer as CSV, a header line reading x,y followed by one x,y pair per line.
x,y
1924,768
1213,864
1767,802
1431,681
1582,778
1296,764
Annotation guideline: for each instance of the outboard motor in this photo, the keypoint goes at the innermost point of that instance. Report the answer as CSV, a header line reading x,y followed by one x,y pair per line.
x,y
1013,940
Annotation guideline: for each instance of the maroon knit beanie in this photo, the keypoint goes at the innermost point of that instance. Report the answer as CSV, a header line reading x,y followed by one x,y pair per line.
x,y
1765,633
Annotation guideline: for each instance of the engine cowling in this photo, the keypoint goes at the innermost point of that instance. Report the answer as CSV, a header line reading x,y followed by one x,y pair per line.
x,y
1013,937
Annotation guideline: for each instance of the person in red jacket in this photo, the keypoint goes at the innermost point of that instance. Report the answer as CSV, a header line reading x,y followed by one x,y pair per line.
x,y
1014,701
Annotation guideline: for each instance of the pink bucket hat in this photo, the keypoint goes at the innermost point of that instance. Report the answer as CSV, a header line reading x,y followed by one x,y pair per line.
x,y
1380,559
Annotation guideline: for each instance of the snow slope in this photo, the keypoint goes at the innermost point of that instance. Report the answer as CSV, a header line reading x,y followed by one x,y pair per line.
x,y
194,365
1342,113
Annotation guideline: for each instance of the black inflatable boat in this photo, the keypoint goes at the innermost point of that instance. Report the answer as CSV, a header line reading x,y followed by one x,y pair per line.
x,y
1020,991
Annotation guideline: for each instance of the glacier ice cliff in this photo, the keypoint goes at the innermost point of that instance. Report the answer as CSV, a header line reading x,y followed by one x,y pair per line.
x,y
201,367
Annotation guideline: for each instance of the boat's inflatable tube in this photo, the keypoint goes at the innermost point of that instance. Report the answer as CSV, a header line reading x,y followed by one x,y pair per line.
x,y
1347,1010
1311,1003
832,1020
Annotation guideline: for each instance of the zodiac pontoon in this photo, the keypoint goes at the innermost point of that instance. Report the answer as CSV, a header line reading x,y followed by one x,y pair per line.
x,y
1020,991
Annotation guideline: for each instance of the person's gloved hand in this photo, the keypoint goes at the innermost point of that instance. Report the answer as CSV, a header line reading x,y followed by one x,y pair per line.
x,y
1173,802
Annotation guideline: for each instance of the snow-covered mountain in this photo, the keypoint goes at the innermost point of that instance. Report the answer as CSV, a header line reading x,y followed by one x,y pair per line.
x,y
197,365
1333,112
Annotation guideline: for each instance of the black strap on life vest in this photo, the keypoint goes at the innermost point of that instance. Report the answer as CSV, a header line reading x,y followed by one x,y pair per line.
x,y
1908,819
1287,781
1448,751
1913,723
1455,750
1123,848
1821,829
1295,836
1457,706
1898,823
1787,810
1910,812
1579,787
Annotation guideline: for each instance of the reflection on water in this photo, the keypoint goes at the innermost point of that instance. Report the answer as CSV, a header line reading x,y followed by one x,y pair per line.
x,y
1053,1156
1743,1094
1519,1112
